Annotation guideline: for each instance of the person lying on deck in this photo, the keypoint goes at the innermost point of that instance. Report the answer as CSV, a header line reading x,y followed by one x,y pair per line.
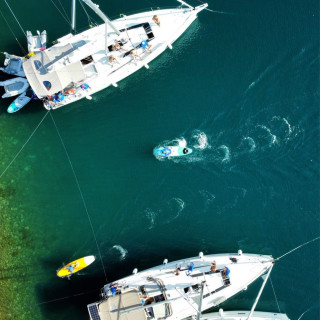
x,y
117,47
145,46
135,55
113,60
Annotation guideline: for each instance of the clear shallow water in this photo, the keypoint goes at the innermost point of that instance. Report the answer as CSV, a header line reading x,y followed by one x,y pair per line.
x,y
242,89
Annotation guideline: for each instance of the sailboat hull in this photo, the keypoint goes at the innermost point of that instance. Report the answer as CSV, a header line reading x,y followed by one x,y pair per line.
x,y
85,61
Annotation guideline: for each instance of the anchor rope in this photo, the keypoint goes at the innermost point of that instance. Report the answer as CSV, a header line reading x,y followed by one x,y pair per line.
x,y
65,17
305,312
274,292
296,248
90,19
20,45
81,194
15,17
15,157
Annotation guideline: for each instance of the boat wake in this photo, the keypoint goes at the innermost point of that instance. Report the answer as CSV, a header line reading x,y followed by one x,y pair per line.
x,y
123,252
166,213
257,138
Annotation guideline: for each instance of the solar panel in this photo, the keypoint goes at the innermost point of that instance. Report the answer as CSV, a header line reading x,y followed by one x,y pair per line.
x,y
94,312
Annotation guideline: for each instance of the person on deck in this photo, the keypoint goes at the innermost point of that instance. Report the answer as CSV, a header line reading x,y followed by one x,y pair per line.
x,y
113,60
156,20
135,55
226,271
85,86
190,269
117,47
146,46
213,267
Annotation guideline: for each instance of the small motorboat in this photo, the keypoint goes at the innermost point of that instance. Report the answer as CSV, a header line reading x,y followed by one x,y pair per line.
x,y
14,86
75,266
37,43
171,151
13,65
19,103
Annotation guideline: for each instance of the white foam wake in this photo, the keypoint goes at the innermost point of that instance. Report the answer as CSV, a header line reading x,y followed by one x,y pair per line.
x,y
226,150
123,252
176,205
251,143
151,216
201,140
273,137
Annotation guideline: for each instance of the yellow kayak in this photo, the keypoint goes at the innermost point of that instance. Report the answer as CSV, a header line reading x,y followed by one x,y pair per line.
x,y
75,266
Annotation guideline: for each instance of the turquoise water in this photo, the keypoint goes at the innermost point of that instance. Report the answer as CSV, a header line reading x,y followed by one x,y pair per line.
x,y
241,87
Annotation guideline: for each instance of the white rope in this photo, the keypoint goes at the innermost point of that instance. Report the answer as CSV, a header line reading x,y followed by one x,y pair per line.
x,y
15,17
221,12
305,312
21,47
81,194
304,244
23,145
275,295
65,17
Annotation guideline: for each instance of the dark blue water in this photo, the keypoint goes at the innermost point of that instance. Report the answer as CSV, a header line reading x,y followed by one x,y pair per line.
x,y
241,87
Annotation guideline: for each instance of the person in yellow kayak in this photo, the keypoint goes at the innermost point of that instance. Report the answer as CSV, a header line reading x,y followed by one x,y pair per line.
x,y
71,269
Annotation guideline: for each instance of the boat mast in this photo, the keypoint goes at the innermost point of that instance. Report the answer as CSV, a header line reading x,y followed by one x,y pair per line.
x,y
73,25
259,294
106,20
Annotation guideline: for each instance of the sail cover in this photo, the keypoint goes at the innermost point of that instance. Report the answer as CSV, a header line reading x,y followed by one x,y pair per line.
x,y
50,71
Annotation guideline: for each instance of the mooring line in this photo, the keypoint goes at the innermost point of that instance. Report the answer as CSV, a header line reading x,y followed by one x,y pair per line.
x,y
15,17
81,194
21,47
296,248
23,145
274,292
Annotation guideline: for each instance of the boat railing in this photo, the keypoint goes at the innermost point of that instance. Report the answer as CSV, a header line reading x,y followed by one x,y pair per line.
x,y
128,13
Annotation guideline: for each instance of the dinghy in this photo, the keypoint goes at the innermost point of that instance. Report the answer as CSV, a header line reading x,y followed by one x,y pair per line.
x,y
13,65
18,103
75,266
14,86
37,43
171,151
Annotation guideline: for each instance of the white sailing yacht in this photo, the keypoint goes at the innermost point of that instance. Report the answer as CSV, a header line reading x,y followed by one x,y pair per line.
x,y
174,290
79,65
244,315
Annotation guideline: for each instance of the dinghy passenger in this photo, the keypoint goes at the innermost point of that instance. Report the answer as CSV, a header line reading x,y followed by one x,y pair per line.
x,y
185,150
156,20
146,46
113,60
190,269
